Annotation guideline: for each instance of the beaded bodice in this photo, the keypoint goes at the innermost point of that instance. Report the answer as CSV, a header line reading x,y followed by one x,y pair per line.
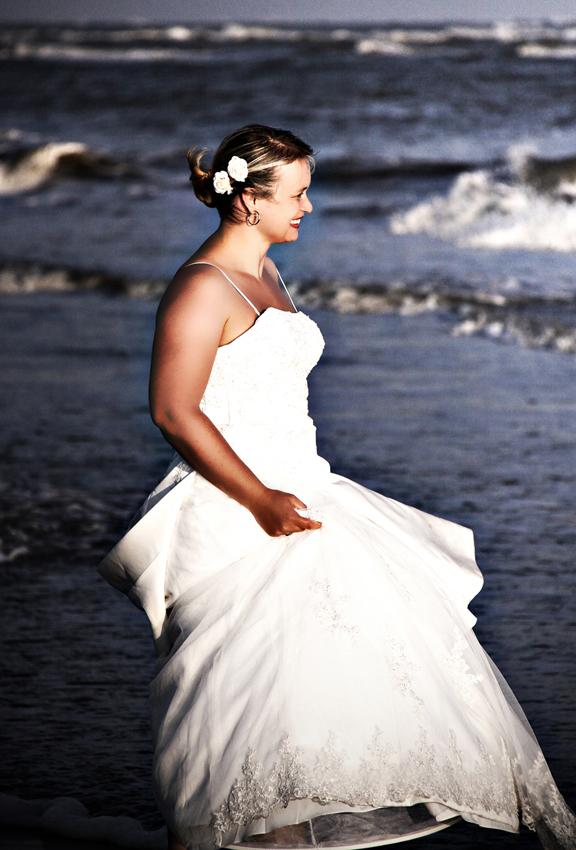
x,y
258,389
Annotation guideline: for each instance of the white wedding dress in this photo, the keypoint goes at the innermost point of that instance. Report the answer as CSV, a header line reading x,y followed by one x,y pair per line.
x,y
333,670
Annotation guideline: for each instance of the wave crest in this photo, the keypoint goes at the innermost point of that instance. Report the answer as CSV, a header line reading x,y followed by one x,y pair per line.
x,y
507,313
529,321
148,43
28,169
20,278
485,210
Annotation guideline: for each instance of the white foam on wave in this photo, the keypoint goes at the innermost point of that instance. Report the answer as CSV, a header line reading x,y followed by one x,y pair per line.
x,y
505,32
482,211
69,818
510,32
17,279
511,328
36,167
125,35
505,316
546,51
532,39
83,53
245,32
30,169
383,45
507,311
407,41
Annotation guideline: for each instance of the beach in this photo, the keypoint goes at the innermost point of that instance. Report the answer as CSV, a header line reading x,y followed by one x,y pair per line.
x,y
479,433
448,305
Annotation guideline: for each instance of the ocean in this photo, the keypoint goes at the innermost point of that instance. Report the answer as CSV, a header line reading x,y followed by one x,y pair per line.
x,y
439,264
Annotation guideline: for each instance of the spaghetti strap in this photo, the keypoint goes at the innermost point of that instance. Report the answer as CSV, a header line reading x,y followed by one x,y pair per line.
x,y
238,290
287,293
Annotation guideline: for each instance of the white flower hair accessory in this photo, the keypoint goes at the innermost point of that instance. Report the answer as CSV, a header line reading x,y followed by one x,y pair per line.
x,y
238,169
222,185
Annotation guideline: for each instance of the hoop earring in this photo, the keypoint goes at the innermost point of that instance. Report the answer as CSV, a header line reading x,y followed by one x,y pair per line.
x,y
249,221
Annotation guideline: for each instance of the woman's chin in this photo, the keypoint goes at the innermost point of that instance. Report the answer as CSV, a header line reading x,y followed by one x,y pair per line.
x,y
290,236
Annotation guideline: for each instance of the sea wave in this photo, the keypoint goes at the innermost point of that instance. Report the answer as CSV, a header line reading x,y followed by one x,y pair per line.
x,y
529,206
507,312
17,278
181,42
524,319
539,50
69,818
146,43
502,32
28,163
82,53
24,168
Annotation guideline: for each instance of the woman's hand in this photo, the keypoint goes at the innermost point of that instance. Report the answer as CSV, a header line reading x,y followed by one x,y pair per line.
x,y
275,512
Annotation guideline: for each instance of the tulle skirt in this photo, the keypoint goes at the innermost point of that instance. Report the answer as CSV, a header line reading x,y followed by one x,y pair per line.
x,y
333,670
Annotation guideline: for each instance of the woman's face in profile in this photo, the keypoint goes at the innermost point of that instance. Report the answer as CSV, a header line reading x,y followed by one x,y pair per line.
x,y
281,215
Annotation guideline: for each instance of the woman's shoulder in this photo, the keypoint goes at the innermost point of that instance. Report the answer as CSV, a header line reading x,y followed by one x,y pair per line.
x,y
197,292
197,282
196,272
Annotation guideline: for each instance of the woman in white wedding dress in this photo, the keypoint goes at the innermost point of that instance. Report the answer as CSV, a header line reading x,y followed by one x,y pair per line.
x,y
316,652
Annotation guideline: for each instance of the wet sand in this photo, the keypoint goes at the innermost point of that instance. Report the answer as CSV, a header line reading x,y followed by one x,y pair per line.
x,y
24,839
478,432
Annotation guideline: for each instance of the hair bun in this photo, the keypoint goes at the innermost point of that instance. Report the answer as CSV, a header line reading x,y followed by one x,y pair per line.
x,y
201,180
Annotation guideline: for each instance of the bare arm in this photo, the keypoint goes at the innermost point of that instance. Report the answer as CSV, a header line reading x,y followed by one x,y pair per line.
x,y
191,321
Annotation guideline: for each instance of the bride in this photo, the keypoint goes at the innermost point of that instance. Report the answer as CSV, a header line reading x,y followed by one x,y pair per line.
x,y
316,653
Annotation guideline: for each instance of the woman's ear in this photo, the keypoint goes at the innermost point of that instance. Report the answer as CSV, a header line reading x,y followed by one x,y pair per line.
x,y
249,200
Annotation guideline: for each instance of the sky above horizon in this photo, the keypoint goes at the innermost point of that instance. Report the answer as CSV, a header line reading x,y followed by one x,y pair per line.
x,y
295,11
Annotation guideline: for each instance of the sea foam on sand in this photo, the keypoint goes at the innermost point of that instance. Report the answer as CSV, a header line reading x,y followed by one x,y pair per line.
x,y
69,818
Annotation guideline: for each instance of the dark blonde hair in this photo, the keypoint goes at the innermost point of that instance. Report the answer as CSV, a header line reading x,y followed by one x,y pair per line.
x,y
263,148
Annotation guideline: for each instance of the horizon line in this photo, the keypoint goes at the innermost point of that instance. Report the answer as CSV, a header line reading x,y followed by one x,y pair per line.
x,y
138,21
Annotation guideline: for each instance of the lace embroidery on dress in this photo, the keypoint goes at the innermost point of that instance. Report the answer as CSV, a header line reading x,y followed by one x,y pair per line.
x,y
401,669
443,778
544,796
458,668
383,779
234,397
328,609
253,797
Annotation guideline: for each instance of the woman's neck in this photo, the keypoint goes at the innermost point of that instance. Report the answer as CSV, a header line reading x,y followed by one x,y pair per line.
x,y
238,247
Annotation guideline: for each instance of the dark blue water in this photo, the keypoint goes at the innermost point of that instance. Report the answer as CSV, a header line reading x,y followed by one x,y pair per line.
x,y
446,157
